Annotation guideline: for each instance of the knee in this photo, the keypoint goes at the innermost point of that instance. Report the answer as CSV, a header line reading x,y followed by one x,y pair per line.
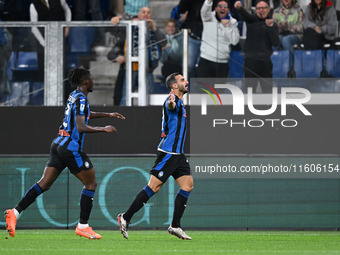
x,y
156,188
44,186
91,186
188,187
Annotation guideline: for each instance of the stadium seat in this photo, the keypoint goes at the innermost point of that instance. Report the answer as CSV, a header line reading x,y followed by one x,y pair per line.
x,y
280,61
236,64
308,63
333,63
27,61
23,61
24,66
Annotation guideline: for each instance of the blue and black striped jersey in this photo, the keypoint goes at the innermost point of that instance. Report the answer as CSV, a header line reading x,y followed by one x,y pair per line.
x,y
174,128
69,137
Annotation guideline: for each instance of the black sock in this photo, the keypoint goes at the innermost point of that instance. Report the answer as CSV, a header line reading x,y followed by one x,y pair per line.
x,y
29,197
86,201
142,197
180,204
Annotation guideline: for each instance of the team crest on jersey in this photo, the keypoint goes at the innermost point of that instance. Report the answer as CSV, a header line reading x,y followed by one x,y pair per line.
x,y
160,174
87,165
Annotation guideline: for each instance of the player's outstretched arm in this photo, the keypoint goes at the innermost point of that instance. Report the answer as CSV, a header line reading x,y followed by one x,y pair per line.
x,y
94,115
82,127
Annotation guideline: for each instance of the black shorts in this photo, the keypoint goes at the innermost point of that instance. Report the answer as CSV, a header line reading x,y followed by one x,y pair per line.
x,y
167,165
60,158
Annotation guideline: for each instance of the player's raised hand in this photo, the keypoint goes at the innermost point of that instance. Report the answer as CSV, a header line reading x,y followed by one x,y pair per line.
x,y
110,129
172,96
116,115
171,100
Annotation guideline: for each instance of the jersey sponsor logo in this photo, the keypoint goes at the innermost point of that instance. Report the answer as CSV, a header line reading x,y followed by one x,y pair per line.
x,y
87,165
160,174
82,107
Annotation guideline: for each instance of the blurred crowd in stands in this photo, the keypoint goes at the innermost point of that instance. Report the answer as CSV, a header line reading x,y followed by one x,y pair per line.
x,y
216,28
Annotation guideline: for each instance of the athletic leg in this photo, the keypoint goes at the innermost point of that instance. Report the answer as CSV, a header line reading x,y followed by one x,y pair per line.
x,y
88,178
49,176
143,196
141,199
186,184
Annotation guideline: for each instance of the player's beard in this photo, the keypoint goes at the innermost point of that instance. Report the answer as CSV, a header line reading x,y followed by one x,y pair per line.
x,y
184,91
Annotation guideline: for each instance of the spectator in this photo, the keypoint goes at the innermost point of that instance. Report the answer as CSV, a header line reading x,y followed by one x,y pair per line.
x,y
337,8
289,18
247,5
233,11
172,53
303,4
14,10
47,10
80,14
132,8
116,54
180,18
156,40
80,10
219,32
5,53
194,23
320,24
262,35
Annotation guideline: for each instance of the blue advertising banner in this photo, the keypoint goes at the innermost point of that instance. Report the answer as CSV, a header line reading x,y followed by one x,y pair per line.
x,y
216,202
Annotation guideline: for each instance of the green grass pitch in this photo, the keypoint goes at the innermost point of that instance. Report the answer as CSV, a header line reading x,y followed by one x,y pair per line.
x,y
160,242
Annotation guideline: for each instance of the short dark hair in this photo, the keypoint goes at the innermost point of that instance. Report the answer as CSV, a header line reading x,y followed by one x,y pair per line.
x,y
171,79
77,75
266,1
